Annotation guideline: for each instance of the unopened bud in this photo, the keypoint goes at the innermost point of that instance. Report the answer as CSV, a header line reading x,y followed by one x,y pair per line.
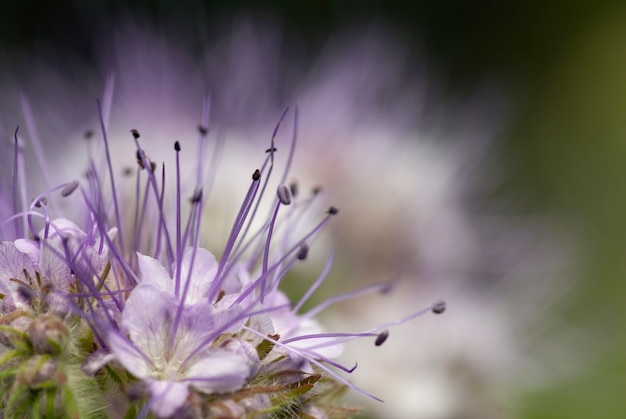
x,y
48,334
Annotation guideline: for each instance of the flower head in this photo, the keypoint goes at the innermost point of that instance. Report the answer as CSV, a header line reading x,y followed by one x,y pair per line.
x,y
154,320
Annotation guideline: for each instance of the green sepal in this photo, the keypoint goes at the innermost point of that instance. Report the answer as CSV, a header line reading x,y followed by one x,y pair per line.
x,y
10,356
18,338
17,392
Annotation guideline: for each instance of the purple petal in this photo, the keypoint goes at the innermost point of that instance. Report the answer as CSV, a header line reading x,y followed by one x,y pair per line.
x,y
12,265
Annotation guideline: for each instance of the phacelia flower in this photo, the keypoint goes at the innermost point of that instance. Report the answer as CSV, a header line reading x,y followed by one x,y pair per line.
x,y
147,303
133,306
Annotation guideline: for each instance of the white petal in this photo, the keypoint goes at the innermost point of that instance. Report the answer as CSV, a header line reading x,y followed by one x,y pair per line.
x,y
12,265
167,397
53,263
155,274
128,355
64,227
30,248
202,273
219,371
148,317
200,325
236,279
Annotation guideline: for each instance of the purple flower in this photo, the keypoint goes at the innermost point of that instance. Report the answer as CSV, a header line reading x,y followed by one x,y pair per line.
x,y
16,269
46,268
171,348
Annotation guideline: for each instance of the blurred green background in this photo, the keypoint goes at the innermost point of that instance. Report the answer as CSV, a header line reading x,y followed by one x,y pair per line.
x,y
564,66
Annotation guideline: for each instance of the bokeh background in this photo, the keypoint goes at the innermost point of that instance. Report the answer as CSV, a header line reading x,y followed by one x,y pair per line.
x,y
562,146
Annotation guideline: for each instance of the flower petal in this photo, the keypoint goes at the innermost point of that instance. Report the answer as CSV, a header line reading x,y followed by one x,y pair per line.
x,y
167,397
219,371
53,265
12,265
201,276
147,318
128,355
29,247
153,273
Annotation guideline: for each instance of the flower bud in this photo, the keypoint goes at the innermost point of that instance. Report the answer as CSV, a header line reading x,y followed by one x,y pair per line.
x,y
48,334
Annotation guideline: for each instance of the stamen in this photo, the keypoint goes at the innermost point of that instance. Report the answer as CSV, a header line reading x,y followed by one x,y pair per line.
x,y
197,195
284,195
239,220
382,337
69,189
179,255
316,284
43,201
292,146
439,307
118,218
303,252
162,226
305,354
20,173
16,152
203,129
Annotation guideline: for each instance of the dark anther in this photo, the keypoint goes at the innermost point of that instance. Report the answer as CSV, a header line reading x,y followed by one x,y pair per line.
x,y
177,146
284,196
274,337
439,307
293,188
69,188
333,211
203,130
197,195
381,338
42,201
135,133
387,288
152,166
271,150
303,252
140,160
256,175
